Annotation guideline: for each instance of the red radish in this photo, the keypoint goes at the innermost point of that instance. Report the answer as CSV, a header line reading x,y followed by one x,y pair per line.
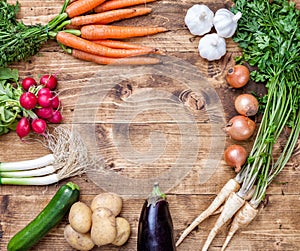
x,y
44,112
55,102
44,97
28,100
27,82
49,81
23,127
55,118
44,90
39,126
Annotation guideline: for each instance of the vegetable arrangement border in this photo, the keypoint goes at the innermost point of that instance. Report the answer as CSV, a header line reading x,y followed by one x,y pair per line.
x,y
268,32
79,28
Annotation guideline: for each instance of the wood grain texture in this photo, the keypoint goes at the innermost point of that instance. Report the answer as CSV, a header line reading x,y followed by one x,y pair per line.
x,y
135,111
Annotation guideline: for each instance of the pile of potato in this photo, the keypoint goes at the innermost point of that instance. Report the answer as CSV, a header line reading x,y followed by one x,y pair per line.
x,y
98,224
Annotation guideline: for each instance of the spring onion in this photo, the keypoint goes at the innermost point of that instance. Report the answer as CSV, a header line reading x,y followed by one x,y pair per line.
x,y
69,158
27,164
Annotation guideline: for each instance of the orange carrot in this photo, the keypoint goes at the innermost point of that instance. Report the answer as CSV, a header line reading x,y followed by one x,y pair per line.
x,y
118,44
125,45
118,4
82,6
114,61
137,12
78,43
72,27
113,15
95,32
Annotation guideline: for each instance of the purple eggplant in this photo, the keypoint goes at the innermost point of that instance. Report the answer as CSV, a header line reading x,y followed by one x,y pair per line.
x,y
155,230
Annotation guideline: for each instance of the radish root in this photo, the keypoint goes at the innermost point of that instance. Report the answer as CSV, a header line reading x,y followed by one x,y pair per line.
x,y
241,219
71,153
232,205
231,186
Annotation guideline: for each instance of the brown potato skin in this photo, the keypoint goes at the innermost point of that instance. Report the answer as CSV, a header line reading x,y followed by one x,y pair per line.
x,y
78,241
104,230
123,231
80,217
112,201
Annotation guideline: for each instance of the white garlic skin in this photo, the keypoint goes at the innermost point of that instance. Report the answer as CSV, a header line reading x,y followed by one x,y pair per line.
x,y
225,22
212,47
199,19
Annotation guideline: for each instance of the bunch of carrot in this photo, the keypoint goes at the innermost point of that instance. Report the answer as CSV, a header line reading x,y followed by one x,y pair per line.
x,y
87,34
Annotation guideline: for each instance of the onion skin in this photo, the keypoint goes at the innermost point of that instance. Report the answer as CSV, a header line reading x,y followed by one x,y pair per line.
x,y
246,104
238,76
235,156
240,128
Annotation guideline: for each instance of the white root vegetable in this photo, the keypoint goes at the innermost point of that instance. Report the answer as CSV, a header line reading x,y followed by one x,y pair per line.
x,y
29,173
231,206
231,186
69,158
241,219
27,164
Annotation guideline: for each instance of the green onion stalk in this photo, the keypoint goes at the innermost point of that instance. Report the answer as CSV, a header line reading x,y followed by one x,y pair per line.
x,y
68,158
18,41
268,33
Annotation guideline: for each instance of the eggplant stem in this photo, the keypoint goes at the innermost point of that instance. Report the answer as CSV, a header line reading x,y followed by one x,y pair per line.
x,y
156,195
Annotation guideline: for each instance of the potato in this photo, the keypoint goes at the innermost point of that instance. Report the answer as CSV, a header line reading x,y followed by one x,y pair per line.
x,y
80,217
111,201
123,231
78,241
103,229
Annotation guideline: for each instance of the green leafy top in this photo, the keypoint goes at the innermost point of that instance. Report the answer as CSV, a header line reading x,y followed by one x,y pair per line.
x,y
269,34
19,41
10,92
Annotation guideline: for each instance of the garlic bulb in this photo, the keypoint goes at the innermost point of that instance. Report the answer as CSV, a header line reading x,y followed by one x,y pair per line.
x,y
199,19
212,47
225,22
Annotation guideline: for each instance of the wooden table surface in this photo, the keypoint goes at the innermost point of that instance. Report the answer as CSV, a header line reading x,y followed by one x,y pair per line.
x,y
133,118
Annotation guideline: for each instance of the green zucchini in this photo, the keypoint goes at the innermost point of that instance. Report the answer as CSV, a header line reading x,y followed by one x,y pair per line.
x,y
51,215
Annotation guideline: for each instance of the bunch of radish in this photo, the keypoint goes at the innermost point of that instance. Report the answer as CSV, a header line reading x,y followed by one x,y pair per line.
x,y
42,104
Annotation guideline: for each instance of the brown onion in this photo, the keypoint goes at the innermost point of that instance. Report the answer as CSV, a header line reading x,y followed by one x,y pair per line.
x,y
238,76
246,104
235,156
240,127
